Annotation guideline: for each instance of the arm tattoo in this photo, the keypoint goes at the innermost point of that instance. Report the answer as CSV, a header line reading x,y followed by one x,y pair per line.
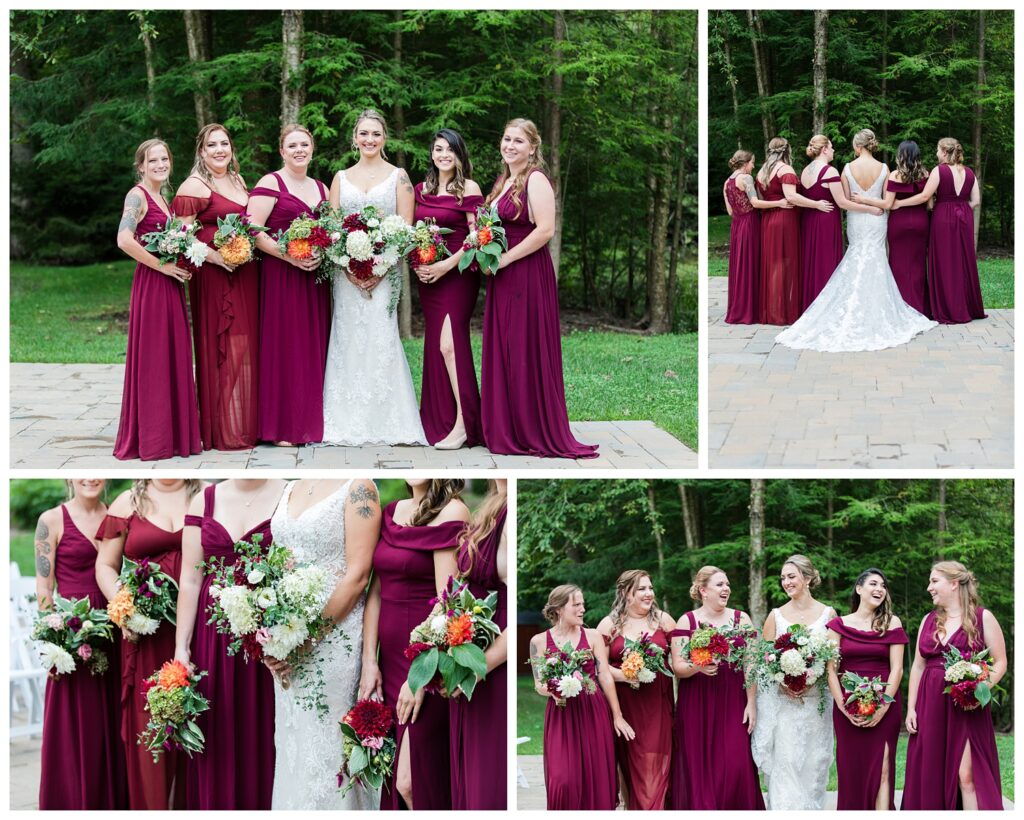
x,y
403,180
42,537
43,566
132,209
363,498
535,667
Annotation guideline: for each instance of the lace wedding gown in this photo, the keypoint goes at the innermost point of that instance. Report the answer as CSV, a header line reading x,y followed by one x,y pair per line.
x,y
308,744
860,308
368,392
792,740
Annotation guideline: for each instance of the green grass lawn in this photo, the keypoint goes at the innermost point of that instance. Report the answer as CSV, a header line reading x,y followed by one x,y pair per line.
x,y
995,273
22,552
66,314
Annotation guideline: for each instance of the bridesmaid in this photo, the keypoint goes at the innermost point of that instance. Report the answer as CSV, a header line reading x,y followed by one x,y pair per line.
x,y
225,300
145,522
643,762
780,236
712,767
295,311
871,641
523,395
412,564
579,746
159,417
236,768
82,755
478,729
450,398
952,761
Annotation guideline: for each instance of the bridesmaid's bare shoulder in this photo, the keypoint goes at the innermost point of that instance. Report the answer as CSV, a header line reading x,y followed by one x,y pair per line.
x,y
472,189
193,186
606,627
895,622
668,623
454,510
121,506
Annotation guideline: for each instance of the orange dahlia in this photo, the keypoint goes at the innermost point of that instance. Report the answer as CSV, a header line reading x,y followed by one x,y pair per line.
x,y
701,656
237,250
984,671
173,675
460,630
121,607
427,255
484,235
631,665
300,249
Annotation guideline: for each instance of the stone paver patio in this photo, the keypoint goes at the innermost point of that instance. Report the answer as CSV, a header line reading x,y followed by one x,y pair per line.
x,y
66,415
943,400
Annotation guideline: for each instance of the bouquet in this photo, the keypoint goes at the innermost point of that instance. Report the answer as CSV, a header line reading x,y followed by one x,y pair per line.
x,y
368,746
485,243
967,679
426,244
561,672
177,240
68,635
866,694
450,644
718,644
643,660
269,604
173,702
236,238
796,660
146,597
304,238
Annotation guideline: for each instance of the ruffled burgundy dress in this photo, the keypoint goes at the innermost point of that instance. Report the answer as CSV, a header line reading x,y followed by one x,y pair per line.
x,y
744,257
821,239
479,742
236,768
579,747
82,755
295,324
780,256
159,415
953,286
943,732
225,329
151,786
859,752
454,296
908,245
713,767
404,563
645,762
522,391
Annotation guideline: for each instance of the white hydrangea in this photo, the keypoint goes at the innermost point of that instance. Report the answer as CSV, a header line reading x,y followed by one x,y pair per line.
x,y
645,675
778,677
358,245
56,658
142,625
569,687
286,638
238,609
960,670
393,225
390,256
304,589
792,662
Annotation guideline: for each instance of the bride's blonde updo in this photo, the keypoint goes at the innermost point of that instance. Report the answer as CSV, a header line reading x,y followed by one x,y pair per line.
x,y
818,143
865,138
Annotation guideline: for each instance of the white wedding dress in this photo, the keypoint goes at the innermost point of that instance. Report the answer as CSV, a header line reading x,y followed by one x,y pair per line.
x,y
308,745
792,740
860,308
368,392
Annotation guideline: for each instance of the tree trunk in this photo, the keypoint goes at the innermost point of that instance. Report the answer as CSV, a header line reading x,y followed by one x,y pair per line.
x,y
940,526
659,545
830,508
757,601
730,75
761,76
820,65
884,96
660,305
687,499
677,222
553,152
197,37
146,33
293,90
978,116
398,118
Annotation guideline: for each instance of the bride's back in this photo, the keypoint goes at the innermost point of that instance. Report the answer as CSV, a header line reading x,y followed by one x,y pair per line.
x,y
865,169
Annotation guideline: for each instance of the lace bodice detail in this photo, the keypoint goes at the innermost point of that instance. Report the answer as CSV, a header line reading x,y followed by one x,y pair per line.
x,y
737,197
383,196
865,227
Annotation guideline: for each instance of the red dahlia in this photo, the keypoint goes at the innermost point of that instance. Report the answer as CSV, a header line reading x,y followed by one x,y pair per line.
x,y
253,650
368,718
963,695
796,683
784,642
718,644
353,222
318,237
361,269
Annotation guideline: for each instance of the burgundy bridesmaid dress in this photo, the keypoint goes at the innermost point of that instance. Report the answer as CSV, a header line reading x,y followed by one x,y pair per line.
x,y
404,563
744,257
159,416
453,295
522,394
236,769
645,761
82,756
295,324
821,239
908,245
151,786
479,742
943,732
712,767
225,329
859,751
780,256
579,747
953,286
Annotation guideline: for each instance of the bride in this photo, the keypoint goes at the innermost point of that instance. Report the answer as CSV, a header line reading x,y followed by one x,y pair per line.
x,y
368,392
336,525
860,308
792,740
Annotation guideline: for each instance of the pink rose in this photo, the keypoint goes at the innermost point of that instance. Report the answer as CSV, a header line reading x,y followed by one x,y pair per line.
x,y
375,743
262,636
85,651
54,621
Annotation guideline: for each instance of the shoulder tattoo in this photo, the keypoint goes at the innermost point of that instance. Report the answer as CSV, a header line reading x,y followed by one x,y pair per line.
x,y
403,180
364,499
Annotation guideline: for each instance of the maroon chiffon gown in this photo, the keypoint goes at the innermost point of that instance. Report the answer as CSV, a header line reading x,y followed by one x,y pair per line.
x,y
236,768
522,393
579,747
943,732
712,767
225,329
821,239
645,761
159,415
151,786
404,563
953,286
82,755
454,296
479,743
859,752
295,324
780,256
744,257
908,245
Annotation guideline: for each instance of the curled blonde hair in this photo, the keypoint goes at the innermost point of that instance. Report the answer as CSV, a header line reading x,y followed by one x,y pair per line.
x,y
817,145
624,587
291,128
805,568
968,593
535,161
865,139
739,159
700,580
558,598
376,116
778,152
484,521
952,150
